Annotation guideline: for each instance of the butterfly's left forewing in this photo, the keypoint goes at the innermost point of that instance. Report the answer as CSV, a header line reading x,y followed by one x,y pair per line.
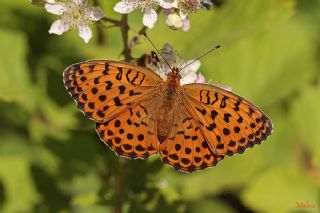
x,y
229,123
103,89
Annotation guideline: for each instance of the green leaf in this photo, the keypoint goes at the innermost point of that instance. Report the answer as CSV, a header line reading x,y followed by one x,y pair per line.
x,y
52,120
267,68
279,189
15,84
34,157
305,119
21,194
94,208
210,206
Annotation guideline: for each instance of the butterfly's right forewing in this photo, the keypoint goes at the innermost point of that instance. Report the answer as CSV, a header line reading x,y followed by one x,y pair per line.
x,y
229,122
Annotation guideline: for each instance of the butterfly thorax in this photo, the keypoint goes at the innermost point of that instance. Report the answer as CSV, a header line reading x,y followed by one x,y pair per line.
x,y
167,103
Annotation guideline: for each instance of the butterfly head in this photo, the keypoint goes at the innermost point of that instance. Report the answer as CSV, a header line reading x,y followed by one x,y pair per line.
x,y
174,74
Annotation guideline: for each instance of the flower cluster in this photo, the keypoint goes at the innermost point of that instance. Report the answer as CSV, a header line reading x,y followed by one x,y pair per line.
x,y
78,14
74,13
176,10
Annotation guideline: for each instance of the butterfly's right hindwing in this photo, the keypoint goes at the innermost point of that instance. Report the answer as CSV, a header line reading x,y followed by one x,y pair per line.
x,y
186,148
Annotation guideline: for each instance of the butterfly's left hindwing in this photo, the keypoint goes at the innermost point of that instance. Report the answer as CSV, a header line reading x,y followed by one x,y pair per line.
x,y
132,133
230,123
103,89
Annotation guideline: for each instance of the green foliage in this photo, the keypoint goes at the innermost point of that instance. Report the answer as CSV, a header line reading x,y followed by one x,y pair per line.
x,y
51,159
14,70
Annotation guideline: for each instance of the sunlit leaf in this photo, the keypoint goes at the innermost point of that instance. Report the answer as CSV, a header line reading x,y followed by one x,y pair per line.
x,y
305,118
15,84
21,194
279,189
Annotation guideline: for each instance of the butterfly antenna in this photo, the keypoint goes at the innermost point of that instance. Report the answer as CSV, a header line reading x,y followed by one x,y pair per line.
x,y
203,55
156,49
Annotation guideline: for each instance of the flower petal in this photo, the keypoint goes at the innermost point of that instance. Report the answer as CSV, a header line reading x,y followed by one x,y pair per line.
x,y
185,24
150,17
192,67
58,27
188,79
175,4
81,2
222,86
174,21
56,8
96,13
189,73
200,79
84,32
183,14
124,7
165,4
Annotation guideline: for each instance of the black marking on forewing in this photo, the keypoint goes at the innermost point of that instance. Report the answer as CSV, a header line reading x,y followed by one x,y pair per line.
x,y
119,75
136,77
142,79
131,93
236,105
215,100
203,111
91,67
223,102
127,75
144,109
186,119
204,96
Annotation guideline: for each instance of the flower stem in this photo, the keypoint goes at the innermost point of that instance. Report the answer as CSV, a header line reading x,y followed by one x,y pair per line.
x,y
125,38
113,21
120,186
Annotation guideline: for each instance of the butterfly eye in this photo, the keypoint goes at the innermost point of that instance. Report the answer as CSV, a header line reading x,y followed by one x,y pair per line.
x,y
155,56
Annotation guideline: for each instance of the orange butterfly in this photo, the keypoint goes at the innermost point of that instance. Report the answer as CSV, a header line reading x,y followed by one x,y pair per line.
x,y
137,114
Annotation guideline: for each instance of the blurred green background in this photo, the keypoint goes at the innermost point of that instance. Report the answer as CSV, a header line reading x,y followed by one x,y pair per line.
x,y
51,159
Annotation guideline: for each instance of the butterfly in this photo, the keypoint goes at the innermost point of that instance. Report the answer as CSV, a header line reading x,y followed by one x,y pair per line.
x,y
138,114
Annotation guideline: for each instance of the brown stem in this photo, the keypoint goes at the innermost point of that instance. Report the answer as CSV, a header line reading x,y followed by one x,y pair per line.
x,y
100,35
119,186
113,21
125,38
